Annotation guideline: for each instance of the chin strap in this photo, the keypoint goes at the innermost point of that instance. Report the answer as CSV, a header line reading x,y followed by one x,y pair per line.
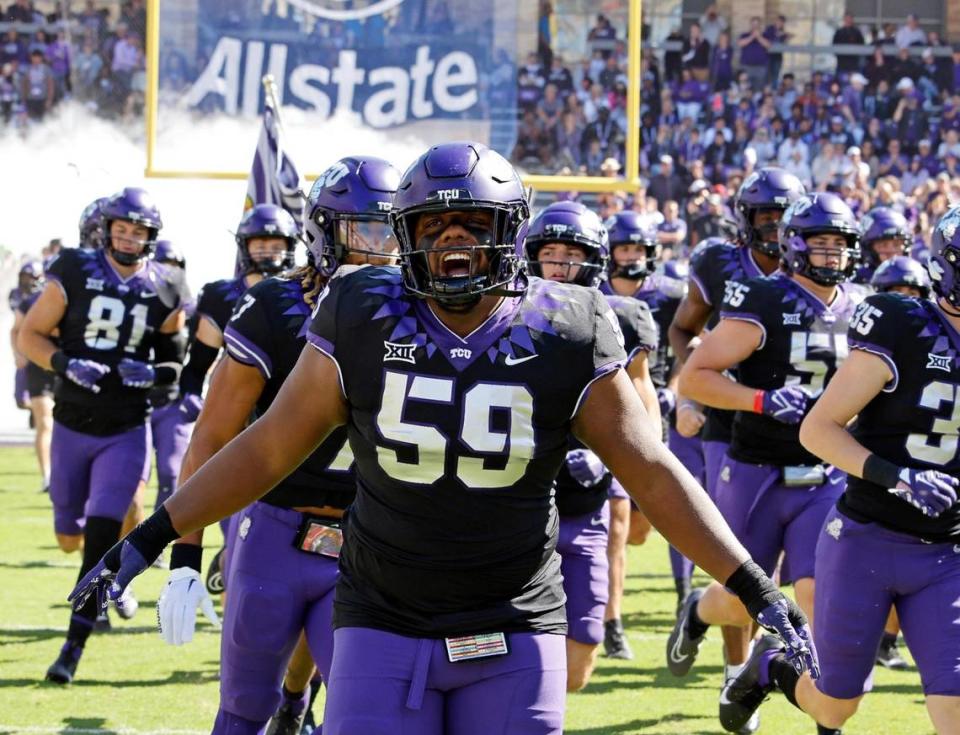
x,y
942,303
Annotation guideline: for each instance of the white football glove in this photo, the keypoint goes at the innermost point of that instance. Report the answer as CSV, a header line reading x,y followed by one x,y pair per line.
x,y
177,606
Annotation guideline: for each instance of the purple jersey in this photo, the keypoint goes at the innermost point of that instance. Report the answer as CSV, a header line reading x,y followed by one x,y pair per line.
x,y
107,319
268,331
913,421
803,340
457,444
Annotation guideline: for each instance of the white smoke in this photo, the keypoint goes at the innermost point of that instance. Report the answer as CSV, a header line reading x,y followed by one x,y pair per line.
x,y
56,169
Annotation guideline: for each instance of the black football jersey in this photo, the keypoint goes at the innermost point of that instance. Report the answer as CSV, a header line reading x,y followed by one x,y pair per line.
x,y
268,331
640,335
107,319
457,443
803,342
710,269
915,421
218,298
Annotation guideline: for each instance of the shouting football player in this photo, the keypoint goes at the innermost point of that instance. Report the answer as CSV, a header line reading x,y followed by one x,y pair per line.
x,y
459,384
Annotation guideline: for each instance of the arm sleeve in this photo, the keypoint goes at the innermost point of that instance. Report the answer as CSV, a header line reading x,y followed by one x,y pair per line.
x,y
743,301
168,353
876,327
194,372
248,336
608,339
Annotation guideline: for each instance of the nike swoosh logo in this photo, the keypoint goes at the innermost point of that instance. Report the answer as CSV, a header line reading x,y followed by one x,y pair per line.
x,y
675,655
511,360
723,696
596,521
147,295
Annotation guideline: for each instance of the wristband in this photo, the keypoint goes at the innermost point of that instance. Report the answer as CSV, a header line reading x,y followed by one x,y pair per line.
x,y
880,472
166,374
758,401
151,537
59,362
186,555
754,588
692,405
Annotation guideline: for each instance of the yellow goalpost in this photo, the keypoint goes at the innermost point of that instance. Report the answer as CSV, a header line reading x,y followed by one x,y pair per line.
x,y
537,182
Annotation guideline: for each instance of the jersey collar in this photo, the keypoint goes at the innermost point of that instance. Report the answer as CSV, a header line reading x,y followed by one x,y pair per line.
x,y
461,352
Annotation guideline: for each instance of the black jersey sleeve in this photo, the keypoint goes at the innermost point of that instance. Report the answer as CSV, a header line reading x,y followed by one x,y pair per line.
x,y
64,269
248,337
878,325
709,270
215,303
322,334
608,340
748,301
647,334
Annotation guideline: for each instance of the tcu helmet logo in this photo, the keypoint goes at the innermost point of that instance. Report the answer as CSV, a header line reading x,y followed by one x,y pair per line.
x,y
328,178
447,194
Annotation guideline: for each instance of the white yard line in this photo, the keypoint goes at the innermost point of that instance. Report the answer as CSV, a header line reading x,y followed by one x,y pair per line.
x,y
67,730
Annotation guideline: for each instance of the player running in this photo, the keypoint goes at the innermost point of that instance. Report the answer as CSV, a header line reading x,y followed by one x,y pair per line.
x,y
459,383
785,334
567,243
894,535
119,317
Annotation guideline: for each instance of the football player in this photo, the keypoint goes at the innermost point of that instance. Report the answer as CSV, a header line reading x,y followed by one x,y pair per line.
x,y
21,395
567,243
169,427
91,235
894,535
37,382
785,334
902,274
347,223
758,206
266,238
114,308
460,384
634,253
886,234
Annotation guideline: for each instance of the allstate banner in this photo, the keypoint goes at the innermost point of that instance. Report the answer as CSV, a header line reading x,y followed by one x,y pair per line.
x,y
390,62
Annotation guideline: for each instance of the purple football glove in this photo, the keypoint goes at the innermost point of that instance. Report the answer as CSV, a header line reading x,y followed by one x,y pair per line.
x,y
136,374
667,399
585,467
788,404
110,576
929,491
190,406
786,621
86,373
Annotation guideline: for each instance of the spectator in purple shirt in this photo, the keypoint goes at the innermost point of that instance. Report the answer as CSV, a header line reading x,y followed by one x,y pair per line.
x,y
852,99
690,96
672,232
755,54
950,117
12,50
58,57
911,121
721,64
894,163
928,160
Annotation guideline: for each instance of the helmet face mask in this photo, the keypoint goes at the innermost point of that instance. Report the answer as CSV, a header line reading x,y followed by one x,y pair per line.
x,y
90,226
266,222
809,218
575,241
348,214
136,208
466,200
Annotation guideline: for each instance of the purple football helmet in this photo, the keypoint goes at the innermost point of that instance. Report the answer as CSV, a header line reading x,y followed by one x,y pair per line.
x,y
268,221
883,223
470,181
629,228
91,234
944,263
818,214
901,271
569,223
767,189
677,270
130,205
30,277
348,211
166,252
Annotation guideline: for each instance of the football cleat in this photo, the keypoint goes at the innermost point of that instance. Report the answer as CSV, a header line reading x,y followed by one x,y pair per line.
x,y
64,668
215,581
102,623
888,656
615,641
743,694
288,719
127,604
682,648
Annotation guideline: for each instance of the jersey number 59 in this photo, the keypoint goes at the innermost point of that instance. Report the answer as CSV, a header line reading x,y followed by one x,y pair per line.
x,y
475,413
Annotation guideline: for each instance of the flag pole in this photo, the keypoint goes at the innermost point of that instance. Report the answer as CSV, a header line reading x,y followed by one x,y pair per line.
x,y
270,90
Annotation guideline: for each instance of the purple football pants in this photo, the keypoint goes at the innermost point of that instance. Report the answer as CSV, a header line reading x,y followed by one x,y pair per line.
x,y
862,569
768,517
583,562
387,684
94,475
21,393
171,437
689,450
275,591
713,454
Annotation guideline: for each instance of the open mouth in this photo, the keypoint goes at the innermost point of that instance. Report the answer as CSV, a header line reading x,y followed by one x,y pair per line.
x,y
455,264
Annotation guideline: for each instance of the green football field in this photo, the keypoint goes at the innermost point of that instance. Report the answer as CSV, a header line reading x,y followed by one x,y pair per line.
x,y
129,681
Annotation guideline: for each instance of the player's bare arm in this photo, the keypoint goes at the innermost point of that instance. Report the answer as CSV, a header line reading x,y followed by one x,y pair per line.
x,y
39,323
702,378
